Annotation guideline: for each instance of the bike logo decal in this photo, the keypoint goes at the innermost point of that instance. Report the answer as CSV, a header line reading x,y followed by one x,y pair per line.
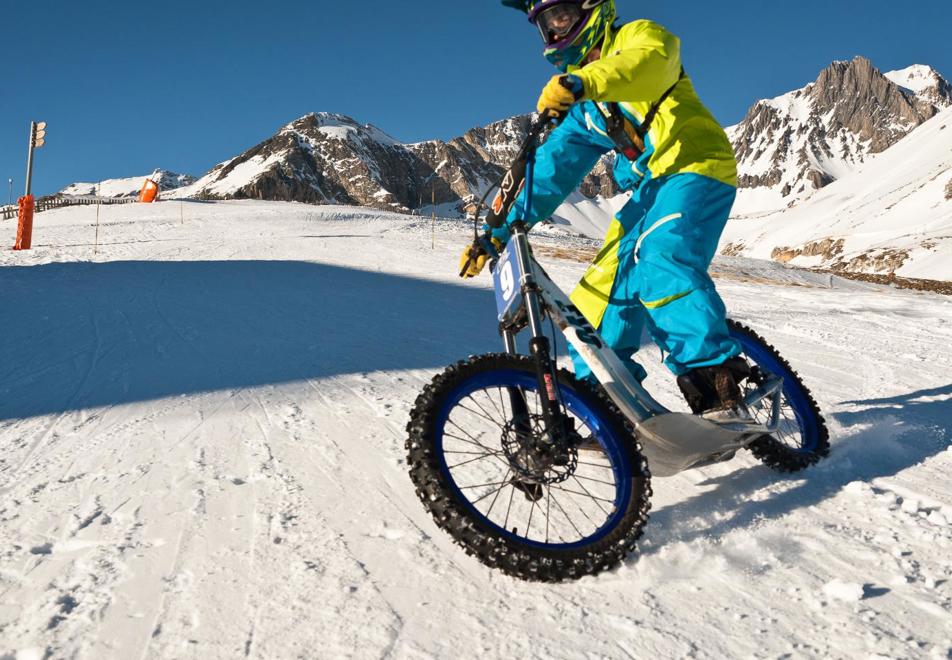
x,y
497,203
583,329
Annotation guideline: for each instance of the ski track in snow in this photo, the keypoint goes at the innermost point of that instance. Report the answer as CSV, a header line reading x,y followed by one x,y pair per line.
x,y
201,455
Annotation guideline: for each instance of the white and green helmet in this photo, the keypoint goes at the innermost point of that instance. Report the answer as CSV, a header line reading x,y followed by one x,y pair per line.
x,y
570,29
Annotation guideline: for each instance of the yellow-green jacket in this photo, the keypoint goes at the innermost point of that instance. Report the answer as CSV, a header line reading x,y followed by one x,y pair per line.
x,y
639,63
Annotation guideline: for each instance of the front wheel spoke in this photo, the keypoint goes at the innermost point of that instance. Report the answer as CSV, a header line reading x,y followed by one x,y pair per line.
x,y
529,523
502,403
464,432
488,450
598,481
598,465
482,413
585,495
489,395
571,522
471,440
595,498
505,524
472,460
548,509
491,483
582,510
498,491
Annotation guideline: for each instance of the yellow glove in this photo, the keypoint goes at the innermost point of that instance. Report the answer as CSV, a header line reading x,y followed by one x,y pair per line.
x,y
474,259
560,93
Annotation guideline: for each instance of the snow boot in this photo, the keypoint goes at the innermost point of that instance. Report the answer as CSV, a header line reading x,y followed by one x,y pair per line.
x,y
714,392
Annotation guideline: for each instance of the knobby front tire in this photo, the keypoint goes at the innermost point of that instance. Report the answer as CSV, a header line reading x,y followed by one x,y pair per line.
x,y
464,456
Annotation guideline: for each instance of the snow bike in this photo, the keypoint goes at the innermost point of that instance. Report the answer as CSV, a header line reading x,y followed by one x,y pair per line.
x,y
546,477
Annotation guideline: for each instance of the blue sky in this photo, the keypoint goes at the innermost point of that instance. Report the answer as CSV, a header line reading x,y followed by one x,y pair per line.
x,y
129,87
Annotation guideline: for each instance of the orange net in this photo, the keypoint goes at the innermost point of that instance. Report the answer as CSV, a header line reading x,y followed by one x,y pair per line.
x,y
150,190
25,226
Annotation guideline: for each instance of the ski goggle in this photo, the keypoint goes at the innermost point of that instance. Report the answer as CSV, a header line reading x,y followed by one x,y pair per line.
x,y
559,22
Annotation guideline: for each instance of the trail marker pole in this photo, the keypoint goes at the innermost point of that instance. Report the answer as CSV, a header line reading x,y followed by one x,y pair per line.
x,y
433,222
98,204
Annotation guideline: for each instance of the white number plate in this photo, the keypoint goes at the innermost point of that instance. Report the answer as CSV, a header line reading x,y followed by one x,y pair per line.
x,y
507,278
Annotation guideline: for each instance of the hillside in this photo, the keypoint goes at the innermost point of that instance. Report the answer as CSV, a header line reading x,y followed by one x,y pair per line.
x,y
894,214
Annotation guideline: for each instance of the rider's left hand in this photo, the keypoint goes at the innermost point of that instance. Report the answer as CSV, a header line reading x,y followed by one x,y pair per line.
x,y
560,93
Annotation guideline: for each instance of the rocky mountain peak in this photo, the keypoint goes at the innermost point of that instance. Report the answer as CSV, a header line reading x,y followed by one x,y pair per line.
x,y
331,158
790,146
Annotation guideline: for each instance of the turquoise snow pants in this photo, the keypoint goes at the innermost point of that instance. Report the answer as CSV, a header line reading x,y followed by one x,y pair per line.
x,y
652,270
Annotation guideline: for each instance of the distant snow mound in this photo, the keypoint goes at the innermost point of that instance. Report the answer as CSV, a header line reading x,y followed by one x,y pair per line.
x,y
129,187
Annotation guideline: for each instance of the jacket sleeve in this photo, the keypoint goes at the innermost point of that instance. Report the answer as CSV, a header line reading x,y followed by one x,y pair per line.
x,y
568,154
645,61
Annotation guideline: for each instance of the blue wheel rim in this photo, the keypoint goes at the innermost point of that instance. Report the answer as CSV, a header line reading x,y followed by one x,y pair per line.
x,y
797,399
621,467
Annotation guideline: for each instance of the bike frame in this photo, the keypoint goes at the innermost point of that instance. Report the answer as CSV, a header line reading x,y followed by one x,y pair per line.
x,y
673,441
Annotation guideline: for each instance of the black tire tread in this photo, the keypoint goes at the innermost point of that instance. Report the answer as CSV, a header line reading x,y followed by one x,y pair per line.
x,y
772,452
478,539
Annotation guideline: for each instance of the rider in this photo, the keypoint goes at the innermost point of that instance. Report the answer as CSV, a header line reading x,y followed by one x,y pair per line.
x,y
622,87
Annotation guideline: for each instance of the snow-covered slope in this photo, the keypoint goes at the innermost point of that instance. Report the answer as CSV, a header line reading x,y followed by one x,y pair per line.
x,y
791,146
129,187
893,214
202,456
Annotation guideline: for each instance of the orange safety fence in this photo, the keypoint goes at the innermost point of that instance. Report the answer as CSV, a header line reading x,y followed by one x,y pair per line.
x,y
150,190
25,226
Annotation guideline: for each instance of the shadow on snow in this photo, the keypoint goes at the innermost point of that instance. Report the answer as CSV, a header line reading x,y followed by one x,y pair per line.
x,y
895,433
81,335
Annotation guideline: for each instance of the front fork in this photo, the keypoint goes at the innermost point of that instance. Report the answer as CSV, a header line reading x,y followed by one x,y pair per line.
x,y
556,422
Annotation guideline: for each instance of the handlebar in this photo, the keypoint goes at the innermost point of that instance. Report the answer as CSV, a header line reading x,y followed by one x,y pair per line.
x,y
527,150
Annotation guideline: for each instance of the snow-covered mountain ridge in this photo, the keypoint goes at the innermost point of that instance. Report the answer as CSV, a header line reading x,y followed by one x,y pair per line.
x,y
787,148
893,214
327,158
791,146
131,186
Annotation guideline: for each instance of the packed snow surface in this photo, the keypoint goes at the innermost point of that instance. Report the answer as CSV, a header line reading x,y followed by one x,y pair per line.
x,y
202,456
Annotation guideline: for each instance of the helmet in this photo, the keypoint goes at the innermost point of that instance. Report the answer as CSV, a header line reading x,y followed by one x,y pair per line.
x,y
570,28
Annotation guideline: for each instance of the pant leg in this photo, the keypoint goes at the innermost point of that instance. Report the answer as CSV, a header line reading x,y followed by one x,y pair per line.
x,y
676,242
605,296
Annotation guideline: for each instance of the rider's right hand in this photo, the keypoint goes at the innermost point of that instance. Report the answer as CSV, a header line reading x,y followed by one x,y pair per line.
x,y
475,256
559,94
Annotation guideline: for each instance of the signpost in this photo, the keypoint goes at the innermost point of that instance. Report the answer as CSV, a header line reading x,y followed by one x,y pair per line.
x,y
37,140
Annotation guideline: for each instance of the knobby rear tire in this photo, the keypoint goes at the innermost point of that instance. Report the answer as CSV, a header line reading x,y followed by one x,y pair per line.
x,y
815,438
